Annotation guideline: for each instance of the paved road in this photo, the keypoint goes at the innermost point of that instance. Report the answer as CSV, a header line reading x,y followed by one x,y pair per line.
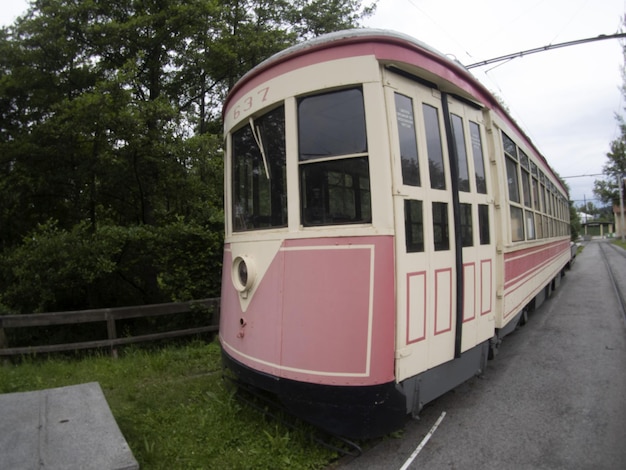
x,y
66,428
554,398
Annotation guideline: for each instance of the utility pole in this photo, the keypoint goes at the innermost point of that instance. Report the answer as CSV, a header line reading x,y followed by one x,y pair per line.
x,y
620,181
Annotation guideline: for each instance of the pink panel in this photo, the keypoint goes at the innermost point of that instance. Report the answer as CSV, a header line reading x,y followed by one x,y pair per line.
x,y
314,315
469,292
443,300
327,309
415,300
260,337
486,280
521,264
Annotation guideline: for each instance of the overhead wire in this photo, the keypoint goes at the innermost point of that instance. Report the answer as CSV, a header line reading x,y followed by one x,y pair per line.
x,y
584,3
444,30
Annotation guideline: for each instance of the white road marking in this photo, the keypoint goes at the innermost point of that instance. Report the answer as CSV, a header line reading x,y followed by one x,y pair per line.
x,y
423,443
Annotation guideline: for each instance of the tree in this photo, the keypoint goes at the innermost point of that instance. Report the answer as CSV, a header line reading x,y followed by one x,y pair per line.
x,y
110,126
607,189
312,18
574,221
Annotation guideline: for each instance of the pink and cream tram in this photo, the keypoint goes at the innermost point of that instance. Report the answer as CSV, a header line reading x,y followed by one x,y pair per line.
x,y
387,223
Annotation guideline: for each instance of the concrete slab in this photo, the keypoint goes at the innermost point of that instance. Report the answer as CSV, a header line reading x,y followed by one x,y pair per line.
x,y
61,428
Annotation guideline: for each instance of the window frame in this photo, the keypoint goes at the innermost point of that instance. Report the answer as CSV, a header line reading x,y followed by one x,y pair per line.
x,y
316,203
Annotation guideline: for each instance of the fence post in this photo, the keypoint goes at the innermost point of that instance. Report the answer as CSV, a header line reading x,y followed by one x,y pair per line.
x,y
4,344
111,332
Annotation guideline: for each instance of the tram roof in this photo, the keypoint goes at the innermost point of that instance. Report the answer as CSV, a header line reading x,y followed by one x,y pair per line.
x,y
326,40
373,35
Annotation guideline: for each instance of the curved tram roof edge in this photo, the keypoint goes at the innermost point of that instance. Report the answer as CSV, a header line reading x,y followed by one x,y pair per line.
x,y
356,36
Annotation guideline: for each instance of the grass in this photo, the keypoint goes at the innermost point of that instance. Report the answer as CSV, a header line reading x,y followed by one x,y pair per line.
x,y
619,242
175,410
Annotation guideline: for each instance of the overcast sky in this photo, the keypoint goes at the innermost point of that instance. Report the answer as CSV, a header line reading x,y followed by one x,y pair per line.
x,y
565,99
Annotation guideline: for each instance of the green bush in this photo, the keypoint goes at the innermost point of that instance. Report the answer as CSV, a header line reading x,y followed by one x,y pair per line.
x,y
60,270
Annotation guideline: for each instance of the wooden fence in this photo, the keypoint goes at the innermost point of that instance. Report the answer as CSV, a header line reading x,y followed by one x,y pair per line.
x,y
110,316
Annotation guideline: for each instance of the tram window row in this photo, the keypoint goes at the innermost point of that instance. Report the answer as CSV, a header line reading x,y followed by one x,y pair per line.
x,y
537,209
334,176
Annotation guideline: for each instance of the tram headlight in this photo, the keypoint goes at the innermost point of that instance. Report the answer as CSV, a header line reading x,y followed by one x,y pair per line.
x,y
243,273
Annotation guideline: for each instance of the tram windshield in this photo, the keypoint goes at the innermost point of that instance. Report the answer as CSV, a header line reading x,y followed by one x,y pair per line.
x,y
259,173
334,179
333,160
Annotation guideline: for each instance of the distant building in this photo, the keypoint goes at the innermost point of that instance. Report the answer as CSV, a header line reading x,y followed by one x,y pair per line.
x,y
584,218
595,226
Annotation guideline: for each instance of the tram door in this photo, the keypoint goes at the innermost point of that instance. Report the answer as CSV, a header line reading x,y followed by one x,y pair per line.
x,y
476,223
426,254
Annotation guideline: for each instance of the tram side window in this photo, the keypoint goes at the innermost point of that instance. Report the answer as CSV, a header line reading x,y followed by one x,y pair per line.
x,y
408,141
539,225
259,175
511,174
509,146
414,226
433,145
461,152
467,235
535,185
483,224
525,179
479,163
334,165
517,224
542,192
441,233
536,205
530,225
526,188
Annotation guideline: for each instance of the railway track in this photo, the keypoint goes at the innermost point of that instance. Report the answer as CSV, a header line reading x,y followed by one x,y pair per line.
x,y
613,258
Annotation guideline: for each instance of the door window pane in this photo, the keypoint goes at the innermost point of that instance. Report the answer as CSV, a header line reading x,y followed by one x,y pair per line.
x,y
408,141
483,224
467,236
414,226
461,152
440,226
433,145
477,152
